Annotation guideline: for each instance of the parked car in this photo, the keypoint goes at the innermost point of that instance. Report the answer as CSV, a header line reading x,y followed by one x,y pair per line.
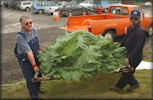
x,y
148,4
72,10
51,8
76,1
18,4
5,4
93,4
62,3
24,5
39,7
12,4
88,4
1,3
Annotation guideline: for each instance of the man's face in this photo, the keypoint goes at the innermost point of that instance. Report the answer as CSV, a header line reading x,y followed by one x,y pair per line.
x,y
134,20
27,24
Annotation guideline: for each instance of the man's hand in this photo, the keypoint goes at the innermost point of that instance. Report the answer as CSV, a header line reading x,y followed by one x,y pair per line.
x,y
36,69
126,61
41,49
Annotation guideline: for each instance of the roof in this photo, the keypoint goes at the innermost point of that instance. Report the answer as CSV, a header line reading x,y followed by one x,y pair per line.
x,y
123,5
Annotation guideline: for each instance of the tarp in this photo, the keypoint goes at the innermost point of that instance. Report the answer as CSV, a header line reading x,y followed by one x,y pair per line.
x,y
145,65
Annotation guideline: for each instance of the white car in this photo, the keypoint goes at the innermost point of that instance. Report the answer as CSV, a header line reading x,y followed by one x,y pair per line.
x,y
87,4
25,5
62,3
50,9
1,3
148,4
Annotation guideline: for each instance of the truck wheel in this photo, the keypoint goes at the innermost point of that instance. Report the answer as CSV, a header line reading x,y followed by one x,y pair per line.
x,y
27,9
150,30
40,11
109,34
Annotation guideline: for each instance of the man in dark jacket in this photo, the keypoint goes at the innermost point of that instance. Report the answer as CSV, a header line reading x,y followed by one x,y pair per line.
x,y
134,42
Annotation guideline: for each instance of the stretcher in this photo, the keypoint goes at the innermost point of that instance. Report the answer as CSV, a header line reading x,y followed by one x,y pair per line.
x,y
39,79
126,69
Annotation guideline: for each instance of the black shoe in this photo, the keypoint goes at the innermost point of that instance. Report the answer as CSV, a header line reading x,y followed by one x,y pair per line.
x,y
115,88
131,88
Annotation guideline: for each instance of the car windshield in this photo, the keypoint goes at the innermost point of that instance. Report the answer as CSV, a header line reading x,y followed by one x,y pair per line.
x,y
61,6
52,4
87,1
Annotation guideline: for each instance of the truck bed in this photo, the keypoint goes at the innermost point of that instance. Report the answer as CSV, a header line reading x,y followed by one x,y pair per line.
x,y
81,22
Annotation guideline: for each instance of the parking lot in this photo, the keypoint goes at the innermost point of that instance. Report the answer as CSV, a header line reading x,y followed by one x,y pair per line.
x,y
47,29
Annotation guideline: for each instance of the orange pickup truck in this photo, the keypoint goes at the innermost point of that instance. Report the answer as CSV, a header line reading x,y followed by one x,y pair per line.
x,y
111,24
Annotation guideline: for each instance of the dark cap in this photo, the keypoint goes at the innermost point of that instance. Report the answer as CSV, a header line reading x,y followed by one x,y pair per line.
x,y
135,13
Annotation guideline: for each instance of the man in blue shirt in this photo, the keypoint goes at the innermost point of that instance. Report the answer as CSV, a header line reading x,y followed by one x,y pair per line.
x,y
28,45
134,42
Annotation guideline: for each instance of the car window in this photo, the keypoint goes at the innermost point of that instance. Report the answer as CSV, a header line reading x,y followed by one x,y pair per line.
x,y
59,3
77,7
61,6
74,7
39,4
68,7
27,3
125,11
90,2
119,10
85,1
46,4
112,10
52,4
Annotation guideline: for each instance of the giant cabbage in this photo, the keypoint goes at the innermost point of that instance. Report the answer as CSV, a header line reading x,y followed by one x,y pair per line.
x,y
81,53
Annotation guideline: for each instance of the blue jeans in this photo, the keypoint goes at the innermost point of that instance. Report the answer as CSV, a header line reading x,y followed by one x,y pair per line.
x,y
28,73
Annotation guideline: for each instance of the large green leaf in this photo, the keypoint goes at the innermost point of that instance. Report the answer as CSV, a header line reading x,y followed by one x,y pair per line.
x,y
81,53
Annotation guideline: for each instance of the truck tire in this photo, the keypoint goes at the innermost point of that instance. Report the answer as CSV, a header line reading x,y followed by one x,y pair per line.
x,y
150,30
40,11
27,9
109,34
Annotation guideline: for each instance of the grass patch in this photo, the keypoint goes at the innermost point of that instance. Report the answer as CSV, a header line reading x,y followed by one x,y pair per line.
x,y
96,87
147,56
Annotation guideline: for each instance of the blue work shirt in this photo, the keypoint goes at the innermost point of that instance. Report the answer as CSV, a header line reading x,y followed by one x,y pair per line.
x,y
23,46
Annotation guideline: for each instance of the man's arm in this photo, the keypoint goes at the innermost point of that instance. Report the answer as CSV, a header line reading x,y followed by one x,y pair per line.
x,y
32,60
31,57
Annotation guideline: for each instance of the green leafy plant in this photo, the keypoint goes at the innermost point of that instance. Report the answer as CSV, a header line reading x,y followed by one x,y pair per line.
x,y
81,53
